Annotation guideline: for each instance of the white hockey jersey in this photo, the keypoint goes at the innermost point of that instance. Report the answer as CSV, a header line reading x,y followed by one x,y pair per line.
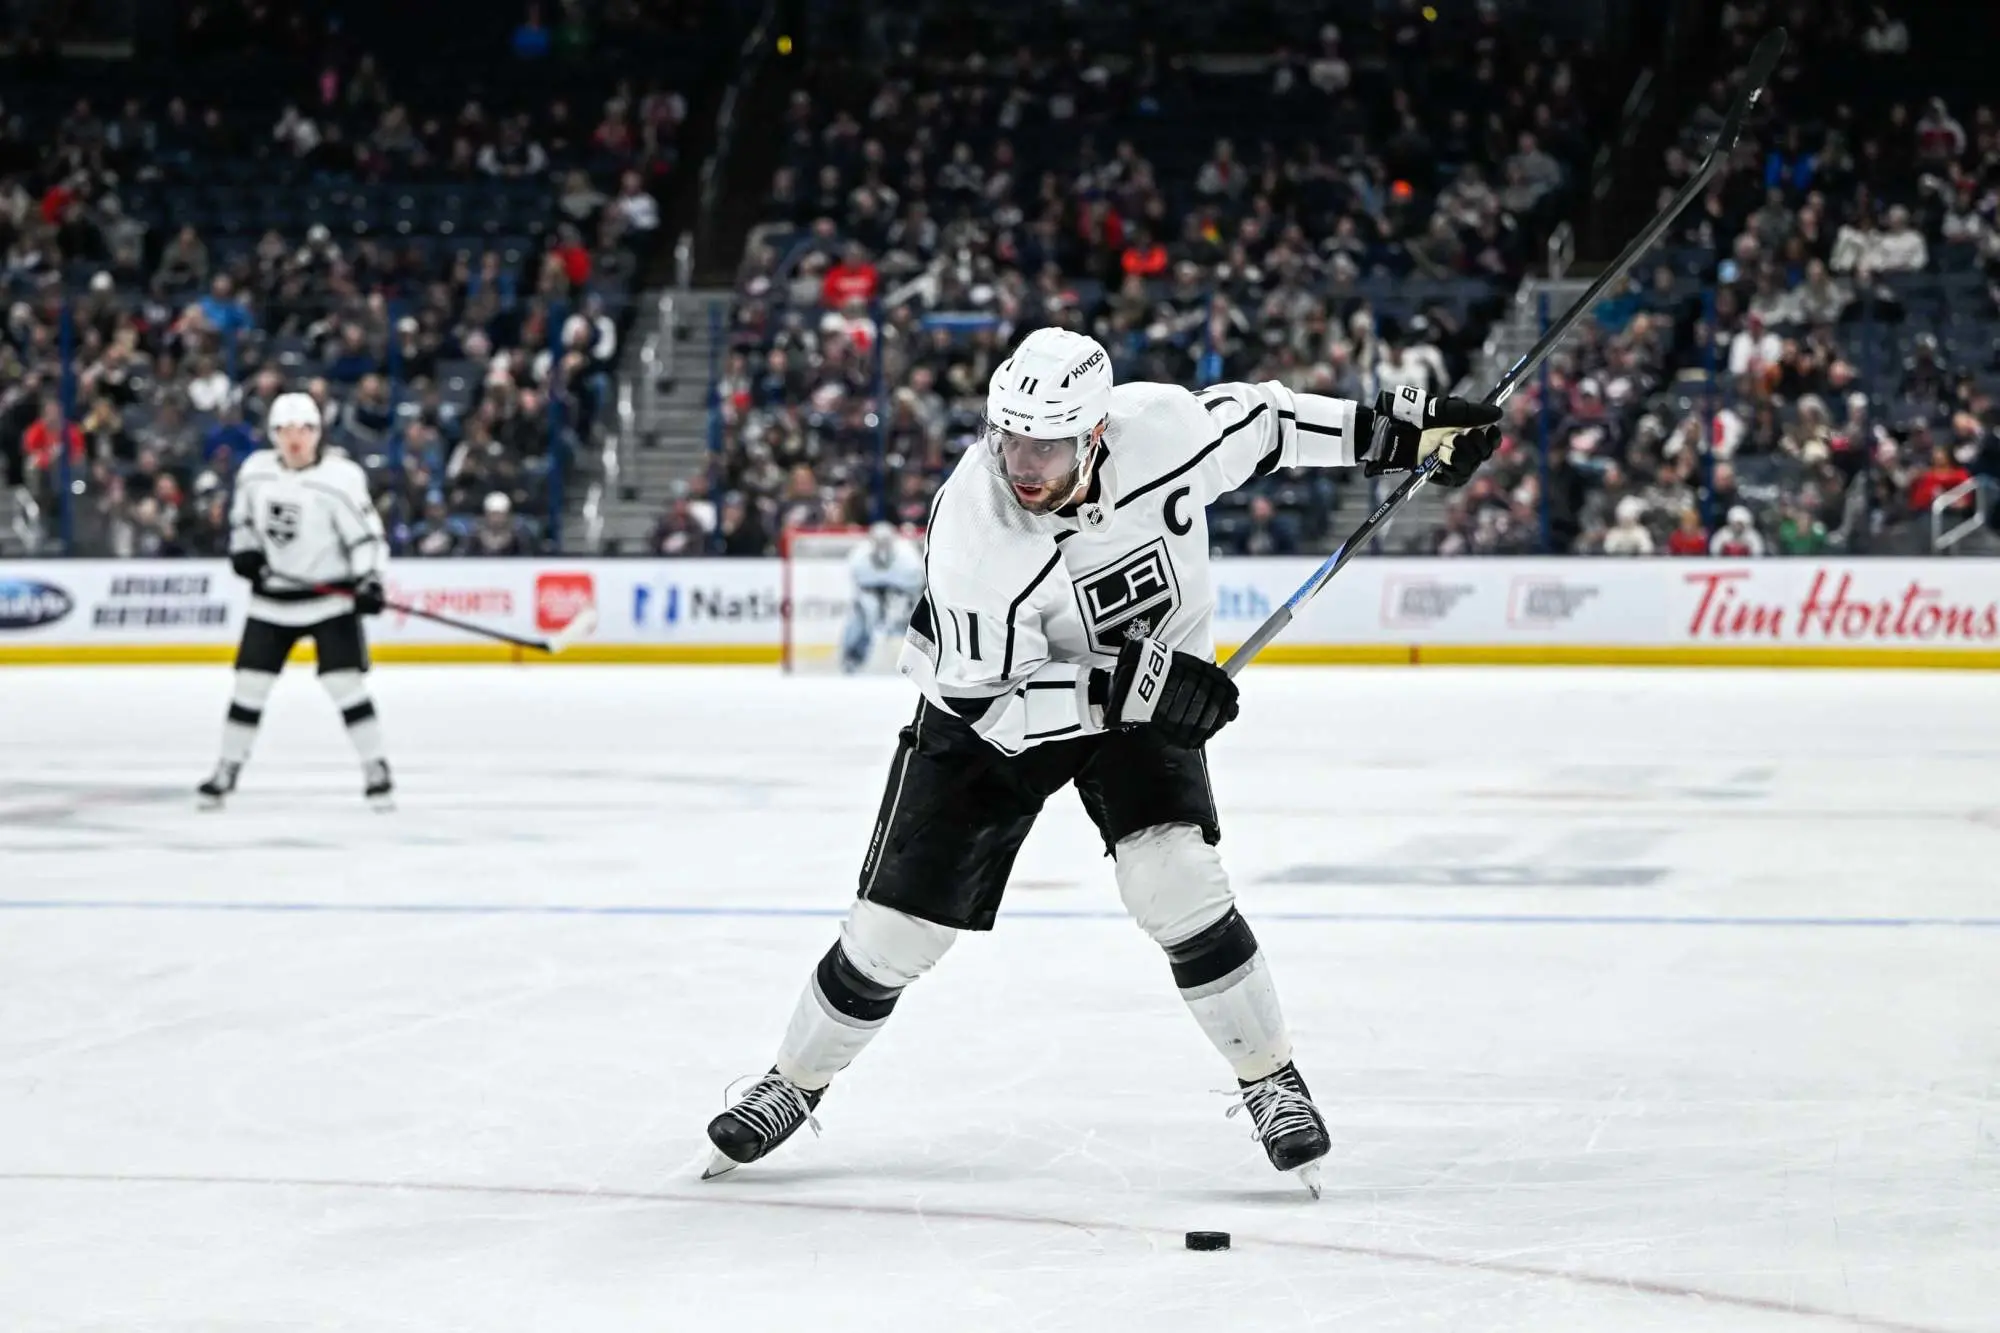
x,y
314,525
879,588
1019,608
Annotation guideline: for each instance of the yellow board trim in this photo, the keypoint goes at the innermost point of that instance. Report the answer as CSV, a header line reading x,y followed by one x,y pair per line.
x,y
161,654
1280,654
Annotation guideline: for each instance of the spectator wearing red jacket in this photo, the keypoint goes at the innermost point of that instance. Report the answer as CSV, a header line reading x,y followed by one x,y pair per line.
x,y
570,252
1100,226
1145,257
38,442
1688,538
853,279
1935,480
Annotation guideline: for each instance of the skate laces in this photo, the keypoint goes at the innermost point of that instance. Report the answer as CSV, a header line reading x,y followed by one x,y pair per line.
x,y
1276,1108
773,1106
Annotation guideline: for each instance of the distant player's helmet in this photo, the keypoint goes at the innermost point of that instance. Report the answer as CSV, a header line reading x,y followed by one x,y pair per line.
x,y
882,543
1046,408
293,409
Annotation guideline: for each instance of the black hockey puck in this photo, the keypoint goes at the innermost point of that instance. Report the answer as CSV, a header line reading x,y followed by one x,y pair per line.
x,y
1208,1240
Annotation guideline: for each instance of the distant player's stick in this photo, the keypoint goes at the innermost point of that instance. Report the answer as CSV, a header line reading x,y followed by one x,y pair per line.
x,y
579,627
1755,75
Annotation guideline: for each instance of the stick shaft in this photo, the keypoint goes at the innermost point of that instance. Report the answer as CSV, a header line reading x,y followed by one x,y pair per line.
x,y
1762,62
401,608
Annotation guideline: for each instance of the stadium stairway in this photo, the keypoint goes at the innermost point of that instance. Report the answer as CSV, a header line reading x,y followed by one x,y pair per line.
x,y
661,438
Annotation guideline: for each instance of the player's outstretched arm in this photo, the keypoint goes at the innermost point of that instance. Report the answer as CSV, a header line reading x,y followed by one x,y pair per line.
x,y
1239,431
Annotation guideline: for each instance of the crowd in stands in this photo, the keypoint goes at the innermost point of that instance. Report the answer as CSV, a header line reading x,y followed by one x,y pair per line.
x,y
1343,213
1810,361
443,273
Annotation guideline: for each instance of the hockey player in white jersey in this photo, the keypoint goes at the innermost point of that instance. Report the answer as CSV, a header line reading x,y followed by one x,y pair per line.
x,y
1064,636
303,531
888,577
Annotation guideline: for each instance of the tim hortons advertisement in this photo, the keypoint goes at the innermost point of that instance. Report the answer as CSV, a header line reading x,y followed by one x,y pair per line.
x,y
1818,612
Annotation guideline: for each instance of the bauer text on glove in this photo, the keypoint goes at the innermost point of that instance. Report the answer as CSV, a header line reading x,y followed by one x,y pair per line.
x,y
1411,425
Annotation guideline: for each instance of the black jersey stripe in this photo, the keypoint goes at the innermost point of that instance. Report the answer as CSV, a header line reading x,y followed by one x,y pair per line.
x,y
1194,462
1007,658
1071,729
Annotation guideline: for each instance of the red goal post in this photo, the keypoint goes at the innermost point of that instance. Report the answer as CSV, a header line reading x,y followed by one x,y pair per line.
x,y
817,594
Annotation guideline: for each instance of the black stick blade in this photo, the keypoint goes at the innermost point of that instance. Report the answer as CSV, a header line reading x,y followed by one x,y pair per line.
x,y
1763,62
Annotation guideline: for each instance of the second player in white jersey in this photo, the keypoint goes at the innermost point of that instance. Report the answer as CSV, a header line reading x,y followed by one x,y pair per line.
x,y
887,576
1065,637
304,532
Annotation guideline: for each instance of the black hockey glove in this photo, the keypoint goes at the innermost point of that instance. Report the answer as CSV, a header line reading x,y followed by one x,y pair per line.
x,y
368,596
1410,426
1188,699
249,565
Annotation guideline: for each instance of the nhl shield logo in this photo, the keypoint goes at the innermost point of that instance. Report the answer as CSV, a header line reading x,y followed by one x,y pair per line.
x,y
1136,591
281,522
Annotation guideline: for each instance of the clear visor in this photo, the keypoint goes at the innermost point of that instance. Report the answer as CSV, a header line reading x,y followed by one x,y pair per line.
x,y
1026,461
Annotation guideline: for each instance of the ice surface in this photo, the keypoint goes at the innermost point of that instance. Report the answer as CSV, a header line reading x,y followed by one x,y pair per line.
x,y
1636,1001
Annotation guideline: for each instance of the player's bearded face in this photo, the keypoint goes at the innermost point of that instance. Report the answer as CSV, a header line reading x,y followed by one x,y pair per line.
x,y
1043,474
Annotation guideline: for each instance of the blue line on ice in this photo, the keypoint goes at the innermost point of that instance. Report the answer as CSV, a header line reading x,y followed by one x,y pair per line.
x,y
1033,914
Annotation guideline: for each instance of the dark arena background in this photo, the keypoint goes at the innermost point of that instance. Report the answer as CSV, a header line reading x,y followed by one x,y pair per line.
x,y
1619,825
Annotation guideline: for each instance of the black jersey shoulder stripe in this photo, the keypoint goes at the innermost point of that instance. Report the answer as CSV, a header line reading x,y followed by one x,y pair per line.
x,y
1007,658
1069,730
1051,685
1194,462
1212,403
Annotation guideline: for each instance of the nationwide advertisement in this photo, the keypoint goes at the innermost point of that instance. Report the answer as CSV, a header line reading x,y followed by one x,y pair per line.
x,y
1943,612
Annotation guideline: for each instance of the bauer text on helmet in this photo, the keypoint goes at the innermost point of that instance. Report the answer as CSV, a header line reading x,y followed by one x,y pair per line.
x,y
1045,408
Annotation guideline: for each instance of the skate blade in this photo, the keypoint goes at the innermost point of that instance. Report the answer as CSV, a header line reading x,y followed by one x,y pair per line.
x,y
1308,1175
208,804
718,1165
382,805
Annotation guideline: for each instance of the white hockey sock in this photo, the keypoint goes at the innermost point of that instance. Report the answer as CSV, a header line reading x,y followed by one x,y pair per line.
x,y
853,990
1172,881
1240,1015
247,697
349,691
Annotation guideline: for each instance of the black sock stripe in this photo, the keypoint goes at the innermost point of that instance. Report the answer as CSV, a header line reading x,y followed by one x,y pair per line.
x,y
361,712
1213,953
852,993
249,717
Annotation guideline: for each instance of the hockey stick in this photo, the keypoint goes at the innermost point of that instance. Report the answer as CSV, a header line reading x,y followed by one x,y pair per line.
x,y
1758,72
579,626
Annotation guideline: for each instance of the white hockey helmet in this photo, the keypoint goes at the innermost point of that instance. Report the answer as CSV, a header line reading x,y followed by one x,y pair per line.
x,y
1044,409
293,409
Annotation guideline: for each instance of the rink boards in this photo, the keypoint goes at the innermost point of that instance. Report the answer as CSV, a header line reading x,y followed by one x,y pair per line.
x,y
1780,612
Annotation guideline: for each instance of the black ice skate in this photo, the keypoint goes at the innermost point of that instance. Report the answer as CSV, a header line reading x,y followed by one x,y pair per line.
x,y
220,784
380,791
759,1121
1288,1124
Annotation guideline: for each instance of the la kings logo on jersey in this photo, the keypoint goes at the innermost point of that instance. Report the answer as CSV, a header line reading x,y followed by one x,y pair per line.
x,y
282,520
1137,589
